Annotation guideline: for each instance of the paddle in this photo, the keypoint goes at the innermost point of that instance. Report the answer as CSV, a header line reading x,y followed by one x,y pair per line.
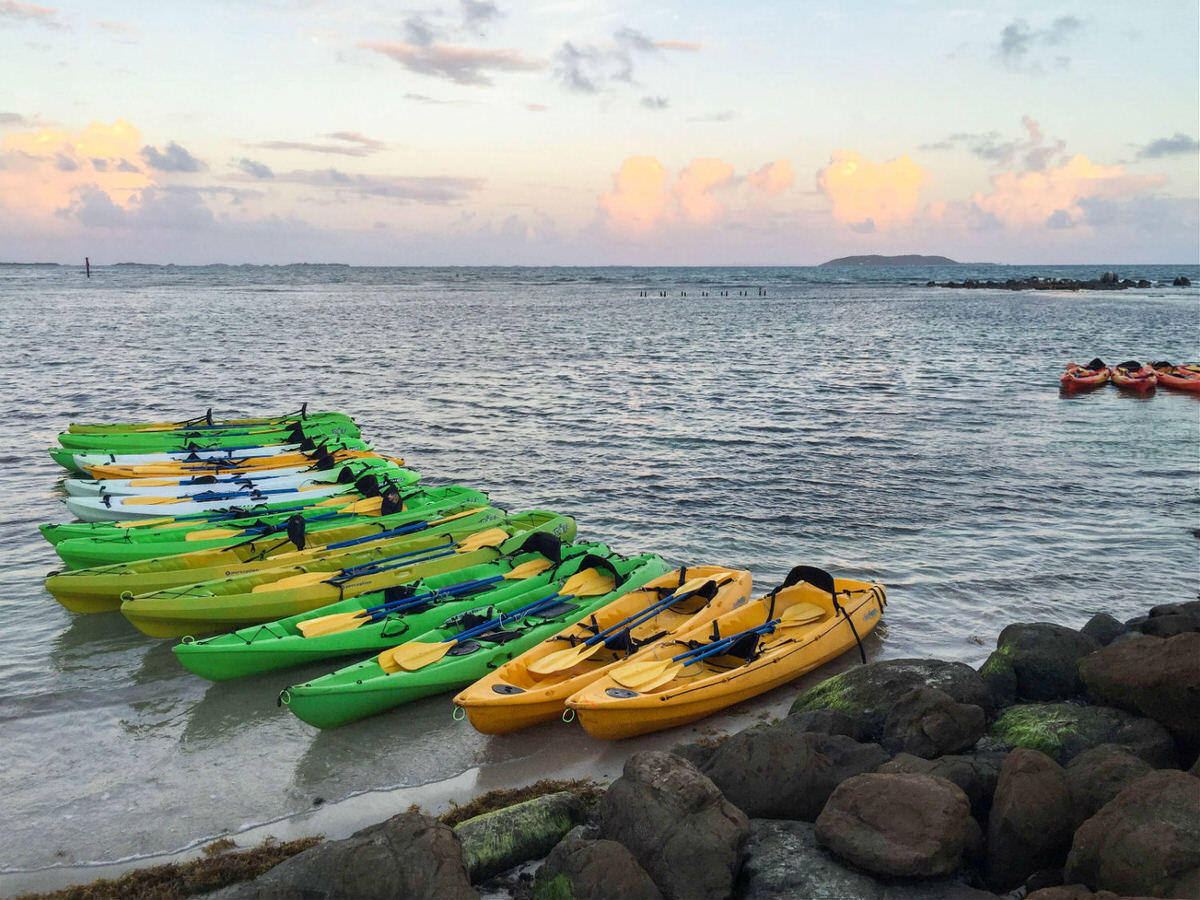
x,y
492,537
644,676
348,621
417,654
561,660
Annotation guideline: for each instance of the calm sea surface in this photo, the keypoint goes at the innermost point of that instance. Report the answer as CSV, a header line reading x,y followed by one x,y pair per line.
x,y
850,419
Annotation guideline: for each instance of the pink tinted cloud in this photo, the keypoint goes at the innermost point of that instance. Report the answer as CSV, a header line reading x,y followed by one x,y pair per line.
x,y
871,194
694,189
772,177
639,198
462,65
685,46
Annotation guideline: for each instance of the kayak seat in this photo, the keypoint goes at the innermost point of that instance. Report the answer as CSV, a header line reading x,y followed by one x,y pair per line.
x,y
499,636
553,612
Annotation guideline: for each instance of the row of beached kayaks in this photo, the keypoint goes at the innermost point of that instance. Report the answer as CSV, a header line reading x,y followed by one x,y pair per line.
x,y
273,542
1132,375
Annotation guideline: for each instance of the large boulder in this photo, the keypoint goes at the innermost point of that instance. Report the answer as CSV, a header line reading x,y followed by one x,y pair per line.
x,y
976,774
1030,825
927,722
898,825
1097,775
1103,628
783,860
580,868
410,855
867,693
1076,892
1064,730
1154,677
1146,840
677,824
773,772
503,838
1042,658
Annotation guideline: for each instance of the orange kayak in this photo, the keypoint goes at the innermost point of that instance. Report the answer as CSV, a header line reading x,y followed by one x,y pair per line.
x,y
1181,378
1133,376
1079,377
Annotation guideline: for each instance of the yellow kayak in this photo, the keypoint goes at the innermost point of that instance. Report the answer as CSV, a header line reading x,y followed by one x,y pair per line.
x,y
534,686
765,643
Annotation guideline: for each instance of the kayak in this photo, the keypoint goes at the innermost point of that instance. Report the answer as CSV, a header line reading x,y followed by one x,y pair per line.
x,y
231,603
463,648
181,462
99,589
534,686
267,479
107,543
373,622
1078,377
206,422
1132,375
109,508
1180,378
766,643
157,441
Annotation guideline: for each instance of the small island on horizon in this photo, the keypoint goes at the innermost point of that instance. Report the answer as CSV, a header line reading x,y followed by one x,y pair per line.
x,y
911,259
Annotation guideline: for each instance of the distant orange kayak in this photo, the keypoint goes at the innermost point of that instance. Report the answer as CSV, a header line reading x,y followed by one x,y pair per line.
x,y
1181,378
1078,378
1133,376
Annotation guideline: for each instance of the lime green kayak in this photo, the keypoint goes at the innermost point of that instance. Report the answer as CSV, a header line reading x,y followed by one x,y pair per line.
x,y
231,603
207,423
373,622
87,544
201,462
99,588
200,439
466,647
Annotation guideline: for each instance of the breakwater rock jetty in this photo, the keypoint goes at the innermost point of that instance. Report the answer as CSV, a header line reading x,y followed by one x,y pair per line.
x,y
1063,768
1109,281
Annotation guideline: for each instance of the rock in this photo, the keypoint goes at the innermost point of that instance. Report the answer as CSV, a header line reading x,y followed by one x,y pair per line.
x,y
1143,283
1001,680
773,772
1076,892
1030,825
1182,281
499,840
1154,677
866,693
784,860
975,774
1097,775
410,855
827,721
1191,607
898,825
1103,628
585,869
677,824
927,722
1064,730
698,753
1169,626
1146,840
1044,658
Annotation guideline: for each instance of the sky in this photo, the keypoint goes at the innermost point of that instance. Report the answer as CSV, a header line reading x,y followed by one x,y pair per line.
x,y
576,132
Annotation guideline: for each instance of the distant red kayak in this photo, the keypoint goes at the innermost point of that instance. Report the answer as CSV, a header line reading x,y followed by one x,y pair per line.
x,y
1180,378
1084,378
1133,376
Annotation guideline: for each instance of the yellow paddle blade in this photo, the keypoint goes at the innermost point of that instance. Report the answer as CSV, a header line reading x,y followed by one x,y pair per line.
x,y
561,660
492,537
632,674
332,623
587,583
665,677
367,506
800,614
527,569
212,534
155,482
458,515
292,581
150,501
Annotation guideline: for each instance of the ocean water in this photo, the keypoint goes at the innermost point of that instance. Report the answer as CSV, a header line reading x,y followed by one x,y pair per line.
x,y
759,418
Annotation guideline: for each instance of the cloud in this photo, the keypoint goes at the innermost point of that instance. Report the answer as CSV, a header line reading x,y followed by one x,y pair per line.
x,y
437,190
462,65
478,12
355,144
121,27
694,189
683,46
725,115
356,137
1031,199
1032,150
1019,42
29,12
536,107
772,177
419,31
255,169
859,189
1178,144
655,102
639,198
590,68
174,159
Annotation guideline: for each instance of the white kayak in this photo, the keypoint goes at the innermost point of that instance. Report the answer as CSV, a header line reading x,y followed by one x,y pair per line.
x,y
110,508
268,480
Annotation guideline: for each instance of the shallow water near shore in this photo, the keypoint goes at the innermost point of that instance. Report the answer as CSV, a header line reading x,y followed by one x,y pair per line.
x,y
851,419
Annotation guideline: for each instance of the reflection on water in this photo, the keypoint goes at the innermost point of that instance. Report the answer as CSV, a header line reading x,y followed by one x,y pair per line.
x,y
846,419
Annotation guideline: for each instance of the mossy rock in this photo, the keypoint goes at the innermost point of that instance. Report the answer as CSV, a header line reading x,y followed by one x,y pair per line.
x,y
499,840
1064,730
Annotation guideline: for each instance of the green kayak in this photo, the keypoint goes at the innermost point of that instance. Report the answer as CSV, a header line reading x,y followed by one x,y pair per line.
x,y
373,622
99,588
154,442
231,603
207,423
466,647
87,544
202,462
